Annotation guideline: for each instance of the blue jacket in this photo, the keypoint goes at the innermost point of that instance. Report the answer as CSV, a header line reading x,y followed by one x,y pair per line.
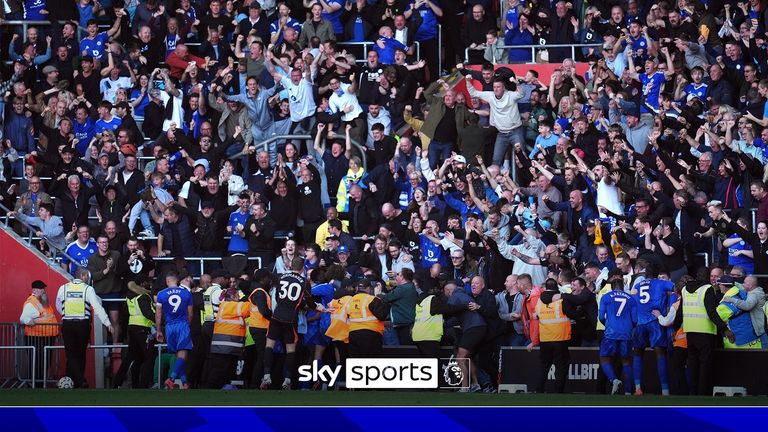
x,y
467,319
587,214
18,129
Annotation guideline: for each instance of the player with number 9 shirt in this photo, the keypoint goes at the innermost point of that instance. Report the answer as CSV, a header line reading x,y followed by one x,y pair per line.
x,y
175,305
291,295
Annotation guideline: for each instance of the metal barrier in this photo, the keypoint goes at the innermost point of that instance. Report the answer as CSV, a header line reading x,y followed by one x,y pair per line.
x,y
202,260
55,252
365,45
533,49
34,357
61,347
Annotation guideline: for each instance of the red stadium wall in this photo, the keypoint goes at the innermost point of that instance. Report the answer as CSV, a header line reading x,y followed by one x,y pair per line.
x,y
19,266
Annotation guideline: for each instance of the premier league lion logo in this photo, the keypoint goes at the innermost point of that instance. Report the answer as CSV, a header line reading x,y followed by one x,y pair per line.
x,y
452,373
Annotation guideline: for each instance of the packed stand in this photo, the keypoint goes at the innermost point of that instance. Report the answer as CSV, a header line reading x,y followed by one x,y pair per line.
x,y
479,206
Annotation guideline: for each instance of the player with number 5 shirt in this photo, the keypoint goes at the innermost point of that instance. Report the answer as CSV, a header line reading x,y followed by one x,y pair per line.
x,y
651,294
175,305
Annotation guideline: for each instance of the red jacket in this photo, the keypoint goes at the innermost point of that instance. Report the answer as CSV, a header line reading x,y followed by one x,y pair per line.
x,y
178,65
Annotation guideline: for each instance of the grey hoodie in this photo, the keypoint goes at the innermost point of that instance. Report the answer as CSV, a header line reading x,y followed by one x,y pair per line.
x,y
754,305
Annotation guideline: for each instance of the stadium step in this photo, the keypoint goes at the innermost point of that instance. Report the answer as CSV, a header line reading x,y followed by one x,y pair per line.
x,y
729,391
513,388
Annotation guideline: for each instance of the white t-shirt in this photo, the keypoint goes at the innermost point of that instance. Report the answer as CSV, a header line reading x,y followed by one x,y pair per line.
x,y
608,197
338,102
108,88
300,97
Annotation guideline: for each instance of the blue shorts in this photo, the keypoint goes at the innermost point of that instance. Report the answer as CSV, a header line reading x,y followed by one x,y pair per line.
x,y
611,347
649,335
178,337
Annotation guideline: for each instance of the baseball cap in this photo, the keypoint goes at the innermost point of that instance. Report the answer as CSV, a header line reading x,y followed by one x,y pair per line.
x,y
68,149
692,97
38,284
50,68
86,58
332,237
726,280
460,159
343,249
206,204
107,188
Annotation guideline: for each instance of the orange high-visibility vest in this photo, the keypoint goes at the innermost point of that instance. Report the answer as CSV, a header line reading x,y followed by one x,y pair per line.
x,y
360,316
680,339
229,328
338,330
46,324
554,325
258,320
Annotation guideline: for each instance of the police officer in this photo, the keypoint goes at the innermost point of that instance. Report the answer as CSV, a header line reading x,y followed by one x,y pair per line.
x,y
40,324
74,301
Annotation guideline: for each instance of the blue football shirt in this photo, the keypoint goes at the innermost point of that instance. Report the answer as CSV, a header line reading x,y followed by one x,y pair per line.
x,y
174,301
618,311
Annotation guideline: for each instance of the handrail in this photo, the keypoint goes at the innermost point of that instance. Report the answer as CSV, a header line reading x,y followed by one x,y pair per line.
x,y
270,140
533,49
365,45
32,230
202,260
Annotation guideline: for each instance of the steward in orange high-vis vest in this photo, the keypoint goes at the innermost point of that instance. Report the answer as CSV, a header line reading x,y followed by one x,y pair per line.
x,y
261,312
228,339
554,336
40,324
366,315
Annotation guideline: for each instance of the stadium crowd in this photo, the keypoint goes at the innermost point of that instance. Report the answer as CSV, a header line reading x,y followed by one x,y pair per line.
x,y
501,215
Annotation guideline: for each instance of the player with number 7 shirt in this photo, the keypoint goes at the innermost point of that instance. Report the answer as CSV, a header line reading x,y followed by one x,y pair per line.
x,y
175,305
291,294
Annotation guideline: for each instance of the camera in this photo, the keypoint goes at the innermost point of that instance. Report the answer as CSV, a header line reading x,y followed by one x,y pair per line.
x,y
158,84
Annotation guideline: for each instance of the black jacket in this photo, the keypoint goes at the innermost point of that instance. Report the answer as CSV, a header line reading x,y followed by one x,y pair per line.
x,y
262,239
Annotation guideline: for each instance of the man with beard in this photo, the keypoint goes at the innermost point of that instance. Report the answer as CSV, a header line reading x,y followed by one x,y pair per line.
x,y
40,324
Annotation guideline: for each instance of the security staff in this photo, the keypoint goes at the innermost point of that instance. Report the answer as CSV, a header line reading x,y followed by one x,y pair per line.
x,y
74,302
698,315
554,335
338,329
141,353
261,312
211,300
228,339
366,315
40,324
428,326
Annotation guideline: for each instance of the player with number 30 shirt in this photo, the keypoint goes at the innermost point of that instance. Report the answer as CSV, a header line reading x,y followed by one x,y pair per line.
x,y
290,296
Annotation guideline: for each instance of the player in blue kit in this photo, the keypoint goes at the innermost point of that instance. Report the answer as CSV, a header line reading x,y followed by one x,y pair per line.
x,y
650,294
175,304
618,312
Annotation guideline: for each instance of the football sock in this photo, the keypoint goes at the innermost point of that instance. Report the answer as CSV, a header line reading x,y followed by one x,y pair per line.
x,y
661,366
637,366
290,358
178,368
627,371
608,371
268,354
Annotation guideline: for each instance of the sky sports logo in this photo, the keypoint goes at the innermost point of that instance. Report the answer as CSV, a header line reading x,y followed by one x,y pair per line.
x,y
391,373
